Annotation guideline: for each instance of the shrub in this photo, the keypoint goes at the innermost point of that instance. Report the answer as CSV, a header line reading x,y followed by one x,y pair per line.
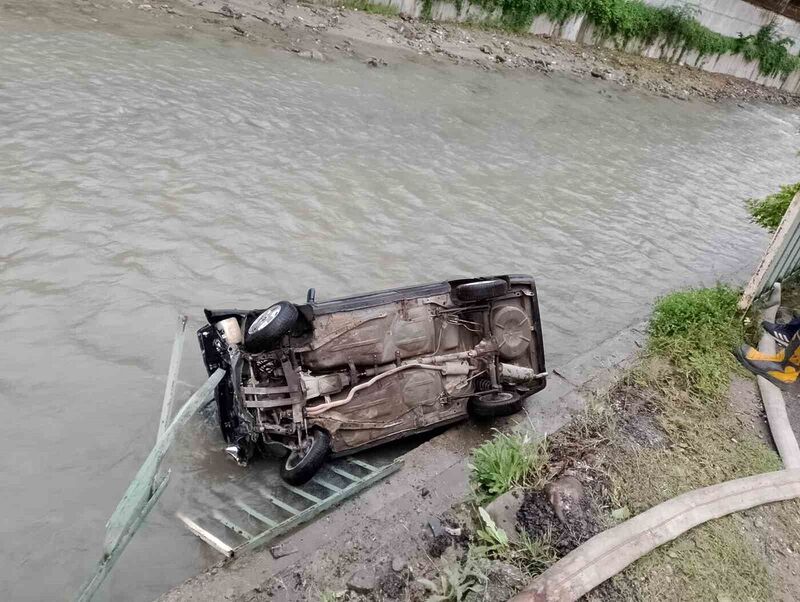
x,y
768,212
507,461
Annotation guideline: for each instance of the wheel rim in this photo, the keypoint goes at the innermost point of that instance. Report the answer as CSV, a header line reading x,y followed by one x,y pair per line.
x,y
501,397
264,319
297,456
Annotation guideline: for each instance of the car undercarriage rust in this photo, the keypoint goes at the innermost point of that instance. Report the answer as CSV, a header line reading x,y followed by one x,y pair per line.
x,y
368,369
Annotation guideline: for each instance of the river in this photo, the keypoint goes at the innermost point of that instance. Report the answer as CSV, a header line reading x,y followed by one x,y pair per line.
x,y
142,178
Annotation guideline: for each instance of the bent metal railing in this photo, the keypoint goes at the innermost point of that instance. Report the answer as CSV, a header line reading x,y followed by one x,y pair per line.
x,y
780,260
147,486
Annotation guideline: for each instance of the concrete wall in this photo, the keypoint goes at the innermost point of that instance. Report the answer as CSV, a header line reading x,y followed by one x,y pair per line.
x,y
728,17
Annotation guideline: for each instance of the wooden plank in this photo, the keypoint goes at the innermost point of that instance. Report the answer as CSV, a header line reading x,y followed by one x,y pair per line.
x,y
211,539
343,473
279,503
257,515
310,497
172,376
231,525
316,509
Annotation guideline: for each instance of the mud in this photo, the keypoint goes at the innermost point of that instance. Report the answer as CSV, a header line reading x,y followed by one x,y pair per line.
x,y
538,518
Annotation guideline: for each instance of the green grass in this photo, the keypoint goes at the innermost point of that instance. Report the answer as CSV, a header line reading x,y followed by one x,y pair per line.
x,y
372,8
769,211
695,331
624,21
506,461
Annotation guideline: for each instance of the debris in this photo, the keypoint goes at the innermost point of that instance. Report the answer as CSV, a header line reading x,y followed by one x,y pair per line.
x,y
314,55
279,552
436,526
375,62
454,531
362,581
486,49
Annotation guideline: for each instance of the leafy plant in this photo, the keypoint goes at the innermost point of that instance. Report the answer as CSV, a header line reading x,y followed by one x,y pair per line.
x,y
533,555
768,212
507,461
492,539
457,580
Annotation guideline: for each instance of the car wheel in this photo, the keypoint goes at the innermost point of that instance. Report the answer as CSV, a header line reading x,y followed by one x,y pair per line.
x,y
480,290
270,326
494,405
301,465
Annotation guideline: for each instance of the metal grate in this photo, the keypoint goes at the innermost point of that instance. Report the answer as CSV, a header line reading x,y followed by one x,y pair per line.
x,y
256,517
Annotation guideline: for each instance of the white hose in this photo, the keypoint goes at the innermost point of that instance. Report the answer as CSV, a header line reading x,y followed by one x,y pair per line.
x,y
774,405
611,551
608,553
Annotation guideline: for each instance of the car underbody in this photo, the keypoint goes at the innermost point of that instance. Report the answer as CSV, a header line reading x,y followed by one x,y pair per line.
x,y
339,376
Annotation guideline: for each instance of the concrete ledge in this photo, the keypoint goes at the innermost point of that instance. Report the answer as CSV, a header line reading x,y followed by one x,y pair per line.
x,y
391,518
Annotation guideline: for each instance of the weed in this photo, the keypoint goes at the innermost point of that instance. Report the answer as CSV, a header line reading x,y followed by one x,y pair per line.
x,y
532,555
328,596
768,212
370,7
624,21
457,580
507,461
695,330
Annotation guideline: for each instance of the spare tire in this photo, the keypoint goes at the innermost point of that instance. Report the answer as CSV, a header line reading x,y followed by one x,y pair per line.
x,y
501,403
480,290
270,327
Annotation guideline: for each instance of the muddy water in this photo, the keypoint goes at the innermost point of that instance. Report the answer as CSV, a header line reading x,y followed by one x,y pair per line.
x,y
141,179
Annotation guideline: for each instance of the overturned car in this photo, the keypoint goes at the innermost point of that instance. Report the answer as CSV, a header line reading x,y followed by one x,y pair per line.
x,y
307,380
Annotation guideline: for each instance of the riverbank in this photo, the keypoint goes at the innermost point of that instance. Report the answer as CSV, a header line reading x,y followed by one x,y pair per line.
x,y
644,429
379,38
408,520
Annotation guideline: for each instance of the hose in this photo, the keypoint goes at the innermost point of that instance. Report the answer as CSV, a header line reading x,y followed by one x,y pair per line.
x,y
611,551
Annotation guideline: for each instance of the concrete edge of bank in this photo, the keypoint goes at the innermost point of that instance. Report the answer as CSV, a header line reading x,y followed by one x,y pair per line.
x,y
391,516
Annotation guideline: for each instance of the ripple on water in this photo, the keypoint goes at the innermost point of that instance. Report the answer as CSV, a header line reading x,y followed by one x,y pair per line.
x,y
154,177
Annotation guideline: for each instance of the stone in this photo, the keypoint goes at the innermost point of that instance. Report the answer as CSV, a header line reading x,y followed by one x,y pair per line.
x,y
486,49
362,581
398,563
566,495
503,511
505,580
314,55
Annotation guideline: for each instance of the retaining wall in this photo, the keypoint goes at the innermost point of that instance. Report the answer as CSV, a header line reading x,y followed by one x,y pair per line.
x,y
728,17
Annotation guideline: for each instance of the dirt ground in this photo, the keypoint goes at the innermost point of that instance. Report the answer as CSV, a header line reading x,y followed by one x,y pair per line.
x,y
326,33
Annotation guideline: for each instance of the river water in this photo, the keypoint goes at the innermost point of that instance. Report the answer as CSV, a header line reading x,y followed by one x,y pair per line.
x,y
139,179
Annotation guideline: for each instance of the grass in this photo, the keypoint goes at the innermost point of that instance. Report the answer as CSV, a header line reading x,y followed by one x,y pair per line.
x,y
506,461
769,211
691,334
370,7
625,21
695,331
